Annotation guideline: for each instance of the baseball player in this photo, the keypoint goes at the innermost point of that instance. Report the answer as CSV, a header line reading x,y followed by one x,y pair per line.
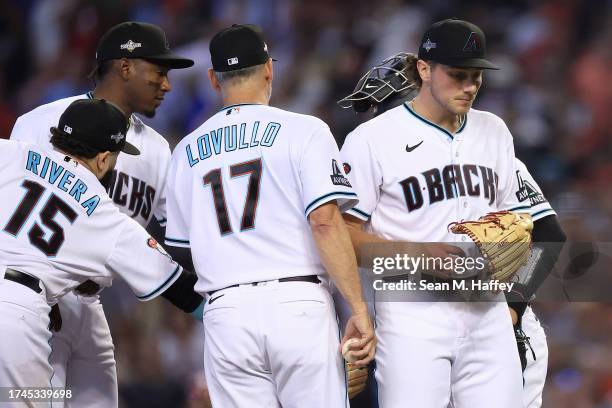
x,y
60,228
264,188
417,168
392,83
133,60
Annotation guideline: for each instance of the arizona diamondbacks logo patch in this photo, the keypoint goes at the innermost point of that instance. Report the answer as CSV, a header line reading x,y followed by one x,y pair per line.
x,y
337,177
528,191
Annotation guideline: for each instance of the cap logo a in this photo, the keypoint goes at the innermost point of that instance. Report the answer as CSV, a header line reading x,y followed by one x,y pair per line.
x,y
473,43
232,61
130,46
428,45
117,137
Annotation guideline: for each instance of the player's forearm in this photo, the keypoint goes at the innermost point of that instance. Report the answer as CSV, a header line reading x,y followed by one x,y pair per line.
x,y
337,255
362,239
549,238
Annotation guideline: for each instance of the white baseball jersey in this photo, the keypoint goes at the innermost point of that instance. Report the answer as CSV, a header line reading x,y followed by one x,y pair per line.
x,y
240,189
414,177
138,183
60,226
530,194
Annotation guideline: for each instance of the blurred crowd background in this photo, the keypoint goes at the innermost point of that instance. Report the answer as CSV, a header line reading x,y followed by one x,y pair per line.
x,y
554,91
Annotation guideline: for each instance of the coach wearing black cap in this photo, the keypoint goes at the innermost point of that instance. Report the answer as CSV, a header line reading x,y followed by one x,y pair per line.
x,y
237,53
278,345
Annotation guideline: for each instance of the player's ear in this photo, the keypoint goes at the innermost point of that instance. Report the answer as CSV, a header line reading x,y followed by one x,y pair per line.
x,y
269,71
125,67
214,82
424,70
104,161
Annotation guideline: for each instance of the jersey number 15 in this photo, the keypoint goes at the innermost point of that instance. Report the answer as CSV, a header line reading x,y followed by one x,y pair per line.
x,y
36,234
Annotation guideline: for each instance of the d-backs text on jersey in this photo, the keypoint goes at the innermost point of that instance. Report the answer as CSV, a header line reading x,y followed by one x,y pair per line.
x,y
451,182
132,193
230,138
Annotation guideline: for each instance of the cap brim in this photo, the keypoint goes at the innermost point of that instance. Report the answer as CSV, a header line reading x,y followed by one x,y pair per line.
x,y
480,63
129,148
171,61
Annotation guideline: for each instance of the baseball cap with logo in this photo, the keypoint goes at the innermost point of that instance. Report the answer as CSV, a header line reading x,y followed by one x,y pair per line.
x,y
139,40
456,43
237,47
96,123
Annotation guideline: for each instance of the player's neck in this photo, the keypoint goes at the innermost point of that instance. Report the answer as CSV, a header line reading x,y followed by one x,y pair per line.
x,y
244,99
105,91
246,94
424,105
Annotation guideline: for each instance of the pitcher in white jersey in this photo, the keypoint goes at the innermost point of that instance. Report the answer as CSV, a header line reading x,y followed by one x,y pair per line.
x,y
60,229
132,64
392,83
256,194
417,168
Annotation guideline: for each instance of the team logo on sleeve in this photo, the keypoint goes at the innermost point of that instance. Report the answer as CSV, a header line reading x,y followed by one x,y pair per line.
x,y
152,243
527,191
337,177
347,168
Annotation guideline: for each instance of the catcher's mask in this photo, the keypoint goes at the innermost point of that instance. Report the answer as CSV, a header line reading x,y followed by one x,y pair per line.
x,y
378,84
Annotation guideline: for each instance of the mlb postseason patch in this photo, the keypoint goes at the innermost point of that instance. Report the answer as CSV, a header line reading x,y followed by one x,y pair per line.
x,y
337,177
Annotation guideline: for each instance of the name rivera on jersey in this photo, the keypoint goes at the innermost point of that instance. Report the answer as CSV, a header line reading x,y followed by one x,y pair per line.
x,y
54,173
230,138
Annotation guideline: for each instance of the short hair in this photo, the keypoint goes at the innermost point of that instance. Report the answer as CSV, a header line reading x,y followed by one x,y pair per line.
x,y
237,75
71,146
98,73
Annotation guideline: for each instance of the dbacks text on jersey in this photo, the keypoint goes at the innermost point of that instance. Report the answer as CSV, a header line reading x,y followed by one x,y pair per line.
x,y
132,193
452,181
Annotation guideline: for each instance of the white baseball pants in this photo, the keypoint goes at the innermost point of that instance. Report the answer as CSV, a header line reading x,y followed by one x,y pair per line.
x,y
428,351
83,355
535,372
273,345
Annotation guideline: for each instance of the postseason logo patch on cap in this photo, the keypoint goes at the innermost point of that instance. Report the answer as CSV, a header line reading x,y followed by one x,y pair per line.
x,y
117,137
428,45
130,46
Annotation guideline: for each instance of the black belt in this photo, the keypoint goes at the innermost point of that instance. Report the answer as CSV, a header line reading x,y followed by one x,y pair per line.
x,y
308,278
24,279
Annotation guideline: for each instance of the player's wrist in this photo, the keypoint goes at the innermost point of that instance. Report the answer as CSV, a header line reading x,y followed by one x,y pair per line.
x,y
359,307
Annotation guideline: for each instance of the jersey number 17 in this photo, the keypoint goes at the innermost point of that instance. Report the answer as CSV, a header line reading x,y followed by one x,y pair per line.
x,y
214,179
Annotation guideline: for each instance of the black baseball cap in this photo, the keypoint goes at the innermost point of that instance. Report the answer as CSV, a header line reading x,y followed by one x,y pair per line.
x,y
456,43
96,123
239,46
139,40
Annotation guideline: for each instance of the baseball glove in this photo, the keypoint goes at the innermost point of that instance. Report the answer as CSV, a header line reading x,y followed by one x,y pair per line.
x,y
503,238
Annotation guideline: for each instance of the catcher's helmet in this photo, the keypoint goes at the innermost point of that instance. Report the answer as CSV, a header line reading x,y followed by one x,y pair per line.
x,y
379,83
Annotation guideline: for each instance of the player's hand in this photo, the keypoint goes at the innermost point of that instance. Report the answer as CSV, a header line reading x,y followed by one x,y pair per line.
x,y
357,379
359,326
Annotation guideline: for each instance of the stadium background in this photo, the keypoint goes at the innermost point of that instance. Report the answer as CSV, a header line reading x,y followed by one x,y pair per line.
x,y
554,92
